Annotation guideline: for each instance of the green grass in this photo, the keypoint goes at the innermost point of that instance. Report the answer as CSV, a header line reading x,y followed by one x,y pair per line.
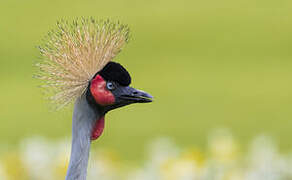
x,y
208,64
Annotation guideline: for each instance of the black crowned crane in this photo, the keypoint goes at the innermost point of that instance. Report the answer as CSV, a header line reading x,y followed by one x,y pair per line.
x,y
77,66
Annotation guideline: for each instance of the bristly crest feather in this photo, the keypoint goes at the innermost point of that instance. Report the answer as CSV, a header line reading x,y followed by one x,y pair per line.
x,y
74,52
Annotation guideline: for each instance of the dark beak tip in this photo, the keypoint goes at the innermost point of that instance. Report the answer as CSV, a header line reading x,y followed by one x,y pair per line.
x,y
144,99
148,100
137,96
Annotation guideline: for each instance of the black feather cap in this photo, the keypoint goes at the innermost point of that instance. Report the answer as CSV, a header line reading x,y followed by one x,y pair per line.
x,y
113,71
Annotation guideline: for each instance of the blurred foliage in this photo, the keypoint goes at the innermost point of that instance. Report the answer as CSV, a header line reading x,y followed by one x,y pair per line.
x,y
207,63
41,159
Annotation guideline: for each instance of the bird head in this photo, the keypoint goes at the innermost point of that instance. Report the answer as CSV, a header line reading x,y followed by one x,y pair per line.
x,y
110,89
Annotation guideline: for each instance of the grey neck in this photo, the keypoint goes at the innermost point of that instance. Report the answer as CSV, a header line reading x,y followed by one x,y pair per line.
x,y
84,118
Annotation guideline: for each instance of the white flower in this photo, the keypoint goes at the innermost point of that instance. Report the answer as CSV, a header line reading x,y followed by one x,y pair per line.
x,y
37,156
264,161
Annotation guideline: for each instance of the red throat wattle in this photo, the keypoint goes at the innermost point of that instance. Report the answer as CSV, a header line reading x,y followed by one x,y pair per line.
x,y
97,128
100,93
103,97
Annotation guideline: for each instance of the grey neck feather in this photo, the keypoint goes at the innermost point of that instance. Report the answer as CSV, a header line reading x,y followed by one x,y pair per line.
x,y
83,119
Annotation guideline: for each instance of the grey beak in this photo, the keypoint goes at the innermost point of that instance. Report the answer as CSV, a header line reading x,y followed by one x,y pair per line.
x,y
135,96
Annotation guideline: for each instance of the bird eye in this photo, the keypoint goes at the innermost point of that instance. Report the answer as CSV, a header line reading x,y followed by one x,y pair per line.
x,y
110,86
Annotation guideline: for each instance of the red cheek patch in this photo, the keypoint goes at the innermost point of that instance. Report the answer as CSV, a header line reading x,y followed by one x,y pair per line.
x,y
100,93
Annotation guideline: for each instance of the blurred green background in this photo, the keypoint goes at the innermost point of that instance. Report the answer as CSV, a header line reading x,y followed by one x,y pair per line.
x,y
208,64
